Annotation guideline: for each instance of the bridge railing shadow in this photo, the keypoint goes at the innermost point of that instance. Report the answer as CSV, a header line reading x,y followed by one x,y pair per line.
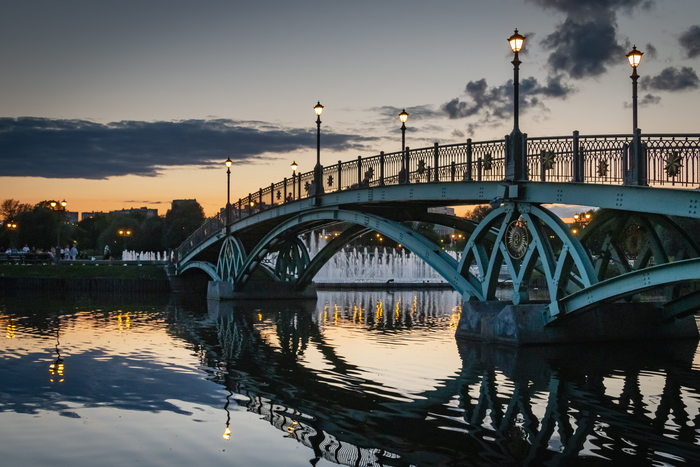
x,y
672,160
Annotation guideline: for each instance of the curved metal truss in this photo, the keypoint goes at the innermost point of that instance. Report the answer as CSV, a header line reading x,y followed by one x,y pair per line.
x,y
623,241
527,240
230,260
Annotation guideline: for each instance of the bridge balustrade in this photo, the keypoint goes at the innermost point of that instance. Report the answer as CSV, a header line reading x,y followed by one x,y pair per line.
x,y
585,159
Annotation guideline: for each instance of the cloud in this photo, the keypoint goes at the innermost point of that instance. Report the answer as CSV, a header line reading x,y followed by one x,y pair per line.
x,y
585,44
651,52
646,101
672,79
495,104
418,112
690,41
53,148
132,201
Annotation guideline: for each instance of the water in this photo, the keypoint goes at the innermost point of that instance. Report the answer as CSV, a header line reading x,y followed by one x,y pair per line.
x,y
357,378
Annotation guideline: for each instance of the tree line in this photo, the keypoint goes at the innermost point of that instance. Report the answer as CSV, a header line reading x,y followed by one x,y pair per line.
x,y
42,227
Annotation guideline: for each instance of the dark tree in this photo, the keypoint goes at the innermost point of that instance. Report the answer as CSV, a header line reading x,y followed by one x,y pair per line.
x,y
181,221
11,208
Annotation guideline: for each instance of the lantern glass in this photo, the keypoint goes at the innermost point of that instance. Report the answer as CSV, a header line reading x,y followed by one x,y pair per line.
x,y
228,162
634,57
403,116
318,108
516,41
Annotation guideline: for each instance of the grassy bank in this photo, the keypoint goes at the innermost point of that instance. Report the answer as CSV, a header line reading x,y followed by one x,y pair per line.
x,y
83,271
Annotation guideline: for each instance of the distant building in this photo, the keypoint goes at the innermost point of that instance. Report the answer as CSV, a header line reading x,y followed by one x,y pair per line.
x,y
177,202
72,217
89,215
441,229
144,210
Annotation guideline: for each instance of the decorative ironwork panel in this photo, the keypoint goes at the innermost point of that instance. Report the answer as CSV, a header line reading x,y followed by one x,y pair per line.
x,y
603,158
558,158
673,160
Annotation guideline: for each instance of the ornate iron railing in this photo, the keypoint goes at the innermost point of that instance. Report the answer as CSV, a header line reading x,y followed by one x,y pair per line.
x,y
671,160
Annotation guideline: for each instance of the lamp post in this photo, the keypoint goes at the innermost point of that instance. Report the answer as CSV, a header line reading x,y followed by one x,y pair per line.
x,y
318,108
124,234
403,116
61,217
634,57
515,167
228,190
294,185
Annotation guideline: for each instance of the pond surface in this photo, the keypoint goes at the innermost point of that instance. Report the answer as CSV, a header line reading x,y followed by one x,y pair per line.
x,y
356,378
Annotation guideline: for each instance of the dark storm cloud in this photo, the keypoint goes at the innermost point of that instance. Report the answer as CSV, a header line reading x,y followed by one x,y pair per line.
x,y
584,48
672,79
496,103
586,43
42,147
690,41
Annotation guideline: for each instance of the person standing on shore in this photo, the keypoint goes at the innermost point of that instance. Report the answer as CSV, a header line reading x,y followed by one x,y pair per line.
x,y
107,253
73,252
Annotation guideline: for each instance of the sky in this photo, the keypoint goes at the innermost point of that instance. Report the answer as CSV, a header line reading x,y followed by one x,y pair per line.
x,y
112,105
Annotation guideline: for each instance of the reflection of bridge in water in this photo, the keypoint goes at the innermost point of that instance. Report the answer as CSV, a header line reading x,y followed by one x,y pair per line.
x,y
587,277
505,406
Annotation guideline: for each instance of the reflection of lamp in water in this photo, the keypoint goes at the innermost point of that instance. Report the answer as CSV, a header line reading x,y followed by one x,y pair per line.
x,y
227,431
57,367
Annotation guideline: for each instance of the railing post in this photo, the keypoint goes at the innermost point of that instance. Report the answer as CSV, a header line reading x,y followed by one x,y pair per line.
x,y
285,189
359,171
436,164
479,166
578,160
543,172
635,172
272,194
469,160
340,171
381,168
453,171
238,210
260,201
299,185
406,164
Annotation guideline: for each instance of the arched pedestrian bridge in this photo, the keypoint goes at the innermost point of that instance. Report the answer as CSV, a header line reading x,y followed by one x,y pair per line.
x,y
642,242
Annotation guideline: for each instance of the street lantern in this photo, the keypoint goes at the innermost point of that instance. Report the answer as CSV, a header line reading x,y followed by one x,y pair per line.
x,y
516,42
634,57
228,190
515,159
294,185
318,109
403,116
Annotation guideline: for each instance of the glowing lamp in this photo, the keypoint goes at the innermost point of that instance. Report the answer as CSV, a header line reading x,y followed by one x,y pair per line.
x,y
403,116
516,41
634,57
318,108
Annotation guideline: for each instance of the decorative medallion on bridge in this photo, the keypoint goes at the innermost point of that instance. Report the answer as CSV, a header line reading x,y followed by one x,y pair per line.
x,y
279,195
673,163
330,180
421,167
548,160
517,239
488,161
603,169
